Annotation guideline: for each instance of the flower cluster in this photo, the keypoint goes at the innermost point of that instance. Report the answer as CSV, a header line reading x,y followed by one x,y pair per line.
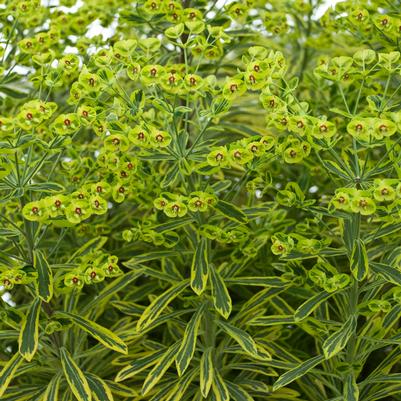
x,y
240,152
327,277
93,268
15,276
383,191
174,205
283,244
90,200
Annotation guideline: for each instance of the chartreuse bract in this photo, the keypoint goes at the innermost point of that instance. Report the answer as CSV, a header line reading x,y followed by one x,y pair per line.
x,y
200,200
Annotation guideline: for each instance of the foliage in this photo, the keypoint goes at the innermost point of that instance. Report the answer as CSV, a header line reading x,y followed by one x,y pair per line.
x,y
204,205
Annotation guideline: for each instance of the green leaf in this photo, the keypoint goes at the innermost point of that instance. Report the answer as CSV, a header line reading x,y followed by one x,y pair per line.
x,y
244,340
389,273
310,305
138,365
8,371
121,390
8,232
335,169
29,334
8,335
103,335
351,389
178,391
170,176
275,282
338,340
359,262
231,211
173,224
13,92
99,388
206,371
221,297
52,389
46,187
341,112
297,372
219,387
271,320
111,289
200,267
188,343
159,304
147,257
74,376
92,245
160,368
45,276
238,393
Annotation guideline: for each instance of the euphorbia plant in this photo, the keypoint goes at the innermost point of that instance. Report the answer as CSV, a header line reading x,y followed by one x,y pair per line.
x,y
205,205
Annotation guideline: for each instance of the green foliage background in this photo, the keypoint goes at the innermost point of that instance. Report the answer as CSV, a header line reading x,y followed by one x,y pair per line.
x,y
205,205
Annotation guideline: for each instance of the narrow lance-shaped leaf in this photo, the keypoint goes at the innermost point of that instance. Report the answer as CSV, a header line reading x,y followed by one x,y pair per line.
x,y
159,304
74,376
89,246
45,276
271,320
276,282
243,339
99,388
206,371
8,372
103,335
338,340
160,368
29,334
220,295
188,344
310,305
297,372
231,211
52,389
121,390
220,390
199,268
238,393
389,273
138,365
178,392
111,289
359,262
351,389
